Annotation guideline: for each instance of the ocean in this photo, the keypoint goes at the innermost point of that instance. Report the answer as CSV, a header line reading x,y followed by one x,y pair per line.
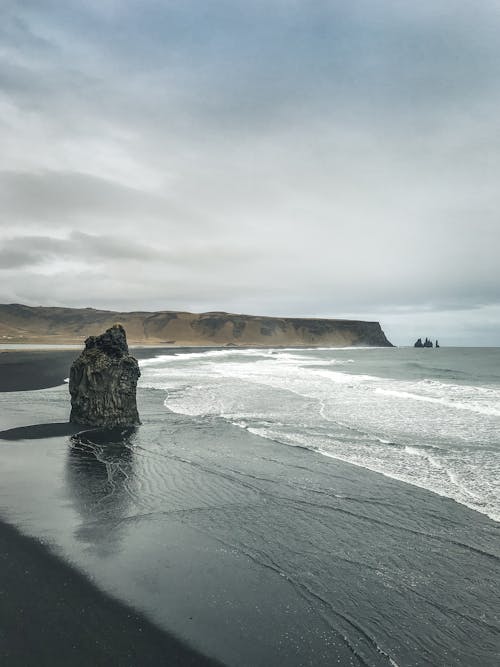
x,y
427,417
304,507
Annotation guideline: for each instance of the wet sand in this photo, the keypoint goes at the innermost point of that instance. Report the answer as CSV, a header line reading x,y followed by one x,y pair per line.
x,y
50,614
34,369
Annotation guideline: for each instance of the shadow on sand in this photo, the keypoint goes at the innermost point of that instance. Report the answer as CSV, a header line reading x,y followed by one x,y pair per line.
x,y
39,431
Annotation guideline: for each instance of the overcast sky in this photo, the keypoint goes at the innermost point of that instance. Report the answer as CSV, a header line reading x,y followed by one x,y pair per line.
x,y
310,158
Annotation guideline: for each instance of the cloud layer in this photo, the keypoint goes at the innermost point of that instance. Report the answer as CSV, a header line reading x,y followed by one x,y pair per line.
x,y
286,157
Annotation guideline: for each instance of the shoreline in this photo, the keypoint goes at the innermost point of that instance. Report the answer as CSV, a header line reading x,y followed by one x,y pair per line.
x,y
44,368
37,370
254,552
31,370
34,369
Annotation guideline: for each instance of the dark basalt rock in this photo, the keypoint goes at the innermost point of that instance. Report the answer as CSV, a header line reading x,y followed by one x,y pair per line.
x,y
103,382
428,343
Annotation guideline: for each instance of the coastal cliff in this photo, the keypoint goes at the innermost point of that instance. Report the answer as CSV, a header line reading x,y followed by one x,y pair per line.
x,y
26,324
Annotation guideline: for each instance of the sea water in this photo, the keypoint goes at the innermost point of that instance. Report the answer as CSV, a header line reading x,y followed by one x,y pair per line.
x,y
428,417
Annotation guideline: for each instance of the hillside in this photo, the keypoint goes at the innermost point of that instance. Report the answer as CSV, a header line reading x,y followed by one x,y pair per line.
x,y
26,324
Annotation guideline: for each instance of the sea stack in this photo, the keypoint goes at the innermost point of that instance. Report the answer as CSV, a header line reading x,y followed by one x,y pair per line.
x,y
428,343
103,382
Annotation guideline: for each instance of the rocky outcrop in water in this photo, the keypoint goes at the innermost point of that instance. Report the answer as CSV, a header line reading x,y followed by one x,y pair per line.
x,y
103,382
427,343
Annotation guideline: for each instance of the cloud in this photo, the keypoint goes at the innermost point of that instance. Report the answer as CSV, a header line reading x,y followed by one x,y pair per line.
x,y
28,251
99,251
59,196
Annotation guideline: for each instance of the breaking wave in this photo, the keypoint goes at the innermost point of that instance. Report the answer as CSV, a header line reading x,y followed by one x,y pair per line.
x,y
436,435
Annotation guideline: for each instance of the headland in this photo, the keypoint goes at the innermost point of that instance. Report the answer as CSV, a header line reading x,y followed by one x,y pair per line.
x,y
59,326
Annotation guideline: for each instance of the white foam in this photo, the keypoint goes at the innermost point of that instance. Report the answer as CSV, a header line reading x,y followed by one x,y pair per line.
x,y
206,354
442,437
450,403
290,356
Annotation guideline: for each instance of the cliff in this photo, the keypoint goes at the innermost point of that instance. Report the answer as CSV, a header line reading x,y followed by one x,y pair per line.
x,y
26,324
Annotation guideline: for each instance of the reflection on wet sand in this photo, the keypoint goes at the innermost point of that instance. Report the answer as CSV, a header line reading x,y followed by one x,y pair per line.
x,y
99,472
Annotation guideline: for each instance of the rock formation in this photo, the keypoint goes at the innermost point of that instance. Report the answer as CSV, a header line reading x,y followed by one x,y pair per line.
x,y
428,343
103,382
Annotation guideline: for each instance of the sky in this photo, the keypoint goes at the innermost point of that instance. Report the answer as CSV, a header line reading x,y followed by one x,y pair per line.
x,y
282,157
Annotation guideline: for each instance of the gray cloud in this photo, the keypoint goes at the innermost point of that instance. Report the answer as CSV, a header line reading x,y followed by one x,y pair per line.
x,y
28,251
69,197
91,250
282,157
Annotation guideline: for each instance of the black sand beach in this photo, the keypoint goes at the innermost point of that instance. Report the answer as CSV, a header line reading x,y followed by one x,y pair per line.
x,y
34,369
50,614
248,550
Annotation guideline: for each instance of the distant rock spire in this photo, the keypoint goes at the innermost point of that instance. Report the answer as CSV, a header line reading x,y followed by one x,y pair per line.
x,y
427,343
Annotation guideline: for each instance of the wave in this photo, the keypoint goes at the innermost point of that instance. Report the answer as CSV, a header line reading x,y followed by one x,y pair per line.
x,y
436,435
207,354
409,467
455,405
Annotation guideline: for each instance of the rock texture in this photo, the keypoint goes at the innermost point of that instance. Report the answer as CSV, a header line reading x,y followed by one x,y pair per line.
x,y
20,323
103,382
